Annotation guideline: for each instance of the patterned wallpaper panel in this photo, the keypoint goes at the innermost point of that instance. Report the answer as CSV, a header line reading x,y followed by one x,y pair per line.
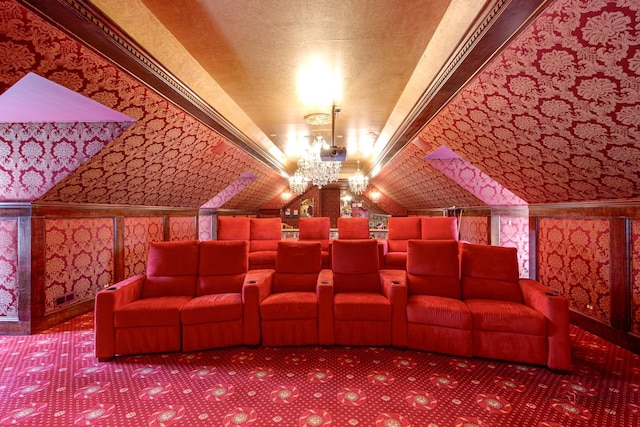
x,y
476,182
412,182
78,258
9,295
574,258
473,229
36,156
555,117
514,232
167,158
635,276
182,228
204,227
138,233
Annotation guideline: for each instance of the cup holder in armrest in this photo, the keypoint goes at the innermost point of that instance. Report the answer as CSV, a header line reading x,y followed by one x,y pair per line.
x,y
396,282
552,294
325,282
112,288
252,282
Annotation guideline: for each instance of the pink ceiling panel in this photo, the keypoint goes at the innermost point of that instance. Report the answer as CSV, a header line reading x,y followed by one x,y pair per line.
x,y
36,99
556,117
166,158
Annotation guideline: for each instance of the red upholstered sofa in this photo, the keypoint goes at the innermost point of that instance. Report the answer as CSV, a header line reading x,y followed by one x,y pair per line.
x,y
263,235
189,299
403,229
479,306
460,299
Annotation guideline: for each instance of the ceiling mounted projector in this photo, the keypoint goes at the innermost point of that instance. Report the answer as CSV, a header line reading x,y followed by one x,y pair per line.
x,y
333,154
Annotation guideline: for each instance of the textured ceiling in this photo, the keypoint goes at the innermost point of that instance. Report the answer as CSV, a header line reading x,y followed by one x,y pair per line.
x,y
555,117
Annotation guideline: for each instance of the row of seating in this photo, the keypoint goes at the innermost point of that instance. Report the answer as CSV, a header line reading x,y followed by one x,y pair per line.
x,y
464,300
263,235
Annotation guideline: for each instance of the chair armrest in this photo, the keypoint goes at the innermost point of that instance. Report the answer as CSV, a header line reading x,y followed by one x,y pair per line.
x,y
324,292
256,287
394,287
555,308
106,302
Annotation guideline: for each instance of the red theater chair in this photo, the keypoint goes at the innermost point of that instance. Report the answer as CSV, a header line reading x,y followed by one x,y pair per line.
x,y
513,319
437,318
142,314
214,318
297,310
369,304
316,230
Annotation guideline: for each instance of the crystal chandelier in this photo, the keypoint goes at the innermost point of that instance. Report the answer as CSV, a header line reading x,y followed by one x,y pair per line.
x,y
358,182
298,183
314,169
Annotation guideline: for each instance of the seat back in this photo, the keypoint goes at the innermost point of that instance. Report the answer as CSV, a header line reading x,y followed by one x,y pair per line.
x,y
402,229
172,269
233,228
315,229
490,272
439,228
264,234
297,266
222,267
353,228
355,266
433,268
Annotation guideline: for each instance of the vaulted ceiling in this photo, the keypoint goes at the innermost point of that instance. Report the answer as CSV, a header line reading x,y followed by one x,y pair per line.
x,y
535,101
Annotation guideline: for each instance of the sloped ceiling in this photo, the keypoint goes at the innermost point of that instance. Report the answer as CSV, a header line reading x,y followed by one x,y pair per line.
x,y
554,118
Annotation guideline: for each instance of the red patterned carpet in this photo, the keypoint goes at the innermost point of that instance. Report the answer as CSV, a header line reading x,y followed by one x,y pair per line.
x,y
52,379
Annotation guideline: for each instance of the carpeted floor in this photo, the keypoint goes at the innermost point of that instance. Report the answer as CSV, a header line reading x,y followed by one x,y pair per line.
x,y
52,379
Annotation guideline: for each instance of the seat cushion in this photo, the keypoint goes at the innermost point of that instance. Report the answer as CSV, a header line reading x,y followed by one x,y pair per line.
x,y
490,272
438,311
361,306
161,311
289,306
212,308
506,316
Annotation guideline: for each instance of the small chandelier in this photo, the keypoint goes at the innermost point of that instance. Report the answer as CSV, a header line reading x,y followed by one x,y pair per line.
x,y
358,182
298,183
316,170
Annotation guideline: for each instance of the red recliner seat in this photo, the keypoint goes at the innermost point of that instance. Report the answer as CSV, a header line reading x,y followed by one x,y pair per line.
x,y
316,230
437,318
297,310
368,304
142,314
513,319
214,318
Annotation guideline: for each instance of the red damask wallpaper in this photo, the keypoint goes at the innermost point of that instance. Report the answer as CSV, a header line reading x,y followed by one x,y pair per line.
x,y
182,228
78,258
415,184
514,232
167,158
138,233
635,276
574,258
556,116
8,269
36,156
473,229
204,227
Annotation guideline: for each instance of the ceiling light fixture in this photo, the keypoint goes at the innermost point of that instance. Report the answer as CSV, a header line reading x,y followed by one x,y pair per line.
x,y
311,167
298,183
374,195
358,182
